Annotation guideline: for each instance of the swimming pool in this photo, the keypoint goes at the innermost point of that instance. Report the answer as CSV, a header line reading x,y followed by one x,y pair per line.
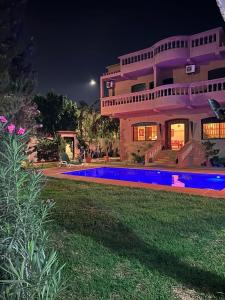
x,y
158,177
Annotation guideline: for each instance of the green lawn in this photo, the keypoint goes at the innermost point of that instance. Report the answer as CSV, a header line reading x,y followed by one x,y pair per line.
x,y
127,243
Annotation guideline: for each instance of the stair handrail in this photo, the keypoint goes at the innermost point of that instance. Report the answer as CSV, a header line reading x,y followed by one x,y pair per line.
x,y
185,151
188,150
153,151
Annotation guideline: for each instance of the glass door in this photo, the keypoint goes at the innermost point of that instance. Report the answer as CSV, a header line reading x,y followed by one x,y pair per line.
x,y
177,132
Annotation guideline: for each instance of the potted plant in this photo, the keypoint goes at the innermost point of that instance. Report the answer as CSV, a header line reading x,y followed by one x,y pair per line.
x,y
88,159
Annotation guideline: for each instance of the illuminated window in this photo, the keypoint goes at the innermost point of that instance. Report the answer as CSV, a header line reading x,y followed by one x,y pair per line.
x,y
213,130
145,133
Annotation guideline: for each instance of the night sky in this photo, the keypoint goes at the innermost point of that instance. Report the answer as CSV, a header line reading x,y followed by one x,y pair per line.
x,y
76,40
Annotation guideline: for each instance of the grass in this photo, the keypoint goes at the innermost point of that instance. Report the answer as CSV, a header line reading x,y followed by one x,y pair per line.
x,y
127,243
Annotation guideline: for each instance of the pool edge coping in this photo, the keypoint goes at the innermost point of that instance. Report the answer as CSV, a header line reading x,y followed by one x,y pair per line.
x,y
58,173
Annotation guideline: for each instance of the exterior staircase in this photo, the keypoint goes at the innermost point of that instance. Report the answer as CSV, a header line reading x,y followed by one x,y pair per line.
x,y
192,154
165,158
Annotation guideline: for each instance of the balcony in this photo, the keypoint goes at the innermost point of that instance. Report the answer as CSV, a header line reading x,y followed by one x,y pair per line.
x,y
200,92
167,97
164,97
174,51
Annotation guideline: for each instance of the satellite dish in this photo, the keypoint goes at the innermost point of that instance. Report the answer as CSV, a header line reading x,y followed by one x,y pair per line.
x,y
217,109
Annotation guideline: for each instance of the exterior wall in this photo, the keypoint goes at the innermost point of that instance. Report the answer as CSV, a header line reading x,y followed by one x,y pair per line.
x,y
178,74
127,145
201,74
124,87
185,98
113,68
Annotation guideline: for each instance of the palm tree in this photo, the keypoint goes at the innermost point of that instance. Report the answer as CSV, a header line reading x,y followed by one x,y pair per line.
x,y
221,4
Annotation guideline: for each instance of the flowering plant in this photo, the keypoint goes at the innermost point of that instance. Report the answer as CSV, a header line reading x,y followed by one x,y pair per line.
x,y
28,269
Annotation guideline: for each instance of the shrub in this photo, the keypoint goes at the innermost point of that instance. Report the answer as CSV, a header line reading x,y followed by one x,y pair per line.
x,y
209,149
139,159
28,269
47,150
217,161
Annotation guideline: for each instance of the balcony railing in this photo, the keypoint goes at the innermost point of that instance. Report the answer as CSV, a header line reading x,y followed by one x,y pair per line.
x,y
111,73
204,42
165,97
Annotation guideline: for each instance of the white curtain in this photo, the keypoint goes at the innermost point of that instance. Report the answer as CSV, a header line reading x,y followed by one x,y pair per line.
x,y
221,4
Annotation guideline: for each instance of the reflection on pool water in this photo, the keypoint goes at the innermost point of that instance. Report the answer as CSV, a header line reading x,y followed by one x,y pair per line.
x,y
171,178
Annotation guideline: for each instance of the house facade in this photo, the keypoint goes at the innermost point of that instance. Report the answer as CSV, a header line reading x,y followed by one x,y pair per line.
x,y
160,94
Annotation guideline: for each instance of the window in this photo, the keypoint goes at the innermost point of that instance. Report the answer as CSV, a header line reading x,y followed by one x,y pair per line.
x,y
145,132
213,129
167,81
138,87
216,73
151,85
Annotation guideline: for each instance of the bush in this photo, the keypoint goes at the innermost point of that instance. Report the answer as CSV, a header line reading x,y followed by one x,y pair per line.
x,y
217,161
137,158
28,270
47,150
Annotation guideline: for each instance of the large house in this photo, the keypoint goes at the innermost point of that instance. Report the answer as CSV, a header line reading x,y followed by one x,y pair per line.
x,y
160,94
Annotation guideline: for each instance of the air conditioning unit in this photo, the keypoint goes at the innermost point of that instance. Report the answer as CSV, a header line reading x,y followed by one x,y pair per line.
x,y
110,84
190,69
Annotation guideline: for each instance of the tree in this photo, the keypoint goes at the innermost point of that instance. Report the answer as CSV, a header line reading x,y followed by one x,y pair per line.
x,y
17,79
87,117
107,129
56,113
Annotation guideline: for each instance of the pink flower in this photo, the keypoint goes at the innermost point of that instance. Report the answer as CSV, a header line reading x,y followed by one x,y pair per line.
x,y
21,131
3,119
11,128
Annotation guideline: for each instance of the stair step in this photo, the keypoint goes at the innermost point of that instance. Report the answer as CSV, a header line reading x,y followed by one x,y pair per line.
x,y
165,158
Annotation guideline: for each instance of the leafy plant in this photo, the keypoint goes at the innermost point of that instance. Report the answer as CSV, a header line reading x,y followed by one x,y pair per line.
x,y
17,78
50,150
137,158
57,112
209,151
28,269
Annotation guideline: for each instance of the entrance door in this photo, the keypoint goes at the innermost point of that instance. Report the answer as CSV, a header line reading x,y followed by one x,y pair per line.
x,y
177,136
177,133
